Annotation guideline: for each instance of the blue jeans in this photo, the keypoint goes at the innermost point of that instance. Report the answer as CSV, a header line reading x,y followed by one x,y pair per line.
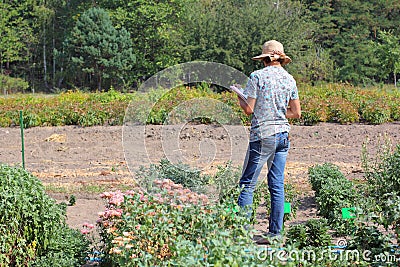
x,y
272,150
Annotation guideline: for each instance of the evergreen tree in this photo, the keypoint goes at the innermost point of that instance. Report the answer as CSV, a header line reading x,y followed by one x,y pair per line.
x,y
101,51
155,31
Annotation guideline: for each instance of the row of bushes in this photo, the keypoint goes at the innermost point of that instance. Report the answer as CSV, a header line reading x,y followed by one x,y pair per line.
x,y
347,104
71,108
375,203
325,103
333,191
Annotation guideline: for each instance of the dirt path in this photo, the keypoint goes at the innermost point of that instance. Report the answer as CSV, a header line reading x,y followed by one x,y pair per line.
x,y
74,157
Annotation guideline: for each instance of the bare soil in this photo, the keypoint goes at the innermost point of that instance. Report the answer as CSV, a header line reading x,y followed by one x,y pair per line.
x,y
84,161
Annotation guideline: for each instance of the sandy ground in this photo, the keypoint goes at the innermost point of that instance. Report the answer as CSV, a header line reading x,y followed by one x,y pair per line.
x,y
75,157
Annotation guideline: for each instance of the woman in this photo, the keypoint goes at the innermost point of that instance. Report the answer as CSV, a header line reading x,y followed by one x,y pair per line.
x,y
272,98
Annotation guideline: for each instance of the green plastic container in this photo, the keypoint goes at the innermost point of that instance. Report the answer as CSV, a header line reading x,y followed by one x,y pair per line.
x,y
348,213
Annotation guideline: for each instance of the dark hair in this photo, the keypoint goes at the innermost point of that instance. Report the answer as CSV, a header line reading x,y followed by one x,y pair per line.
x,y
267,60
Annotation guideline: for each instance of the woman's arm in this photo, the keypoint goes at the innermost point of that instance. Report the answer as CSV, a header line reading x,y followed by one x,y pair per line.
x,y
294,109
247,106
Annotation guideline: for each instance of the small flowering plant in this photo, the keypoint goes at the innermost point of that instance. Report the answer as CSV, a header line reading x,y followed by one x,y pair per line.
x,y
87,228
148,229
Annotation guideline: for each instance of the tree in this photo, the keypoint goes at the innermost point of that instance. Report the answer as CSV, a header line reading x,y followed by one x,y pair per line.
x,y
345,29
388,51
232,31
15,34
99,50
44,15
154,30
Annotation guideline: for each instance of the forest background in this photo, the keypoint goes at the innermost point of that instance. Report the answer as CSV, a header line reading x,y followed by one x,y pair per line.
x,y
55,45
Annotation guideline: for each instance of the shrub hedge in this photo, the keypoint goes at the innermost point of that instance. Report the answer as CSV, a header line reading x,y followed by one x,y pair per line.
x,y
331,102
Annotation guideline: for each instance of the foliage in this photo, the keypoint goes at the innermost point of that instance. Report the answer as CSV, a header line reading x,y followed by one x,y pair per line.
x,y
16,31
347,104
69,108
320,175
173,225
333,191
221,187
342,111
376,112
376,203
314,110
262,197
100,50
300,238
207,31
391,213
11,85
368,237
181,174
328,40
155,30
313,233
226,180
198,104
318,66
178,173
71,200
382,174
181,228
388,51
33,229
347,29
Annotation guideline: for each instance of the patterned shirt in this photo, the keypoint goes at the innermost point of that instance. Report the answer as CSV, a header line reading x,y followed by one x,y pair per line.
x,y
272,87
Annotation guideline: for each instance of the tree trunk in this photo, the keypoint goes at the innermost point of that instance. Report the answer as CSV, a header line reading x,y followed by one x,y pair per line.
x,y
395,81
1,81
1,73
99,82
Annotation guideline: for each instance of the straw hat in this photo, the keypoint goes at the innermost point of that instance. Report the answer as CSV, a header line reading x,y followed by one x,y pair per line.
x,y
274,50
